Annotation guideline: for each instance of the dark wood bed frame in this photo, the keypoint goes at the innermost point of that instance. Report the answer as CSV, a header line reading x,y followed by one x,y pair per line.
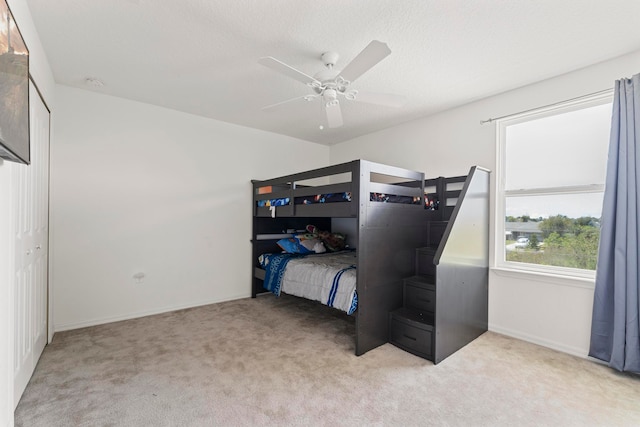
x,y
387,233
390,238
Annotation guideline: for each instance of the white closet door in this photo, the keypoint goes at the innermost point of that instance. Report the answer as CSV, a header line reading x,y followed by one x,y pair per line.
x,y
31,232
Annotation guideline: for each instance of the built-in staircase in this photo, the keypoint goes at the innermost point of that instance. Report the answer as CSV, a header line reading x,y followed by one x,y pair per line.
x,y
432,322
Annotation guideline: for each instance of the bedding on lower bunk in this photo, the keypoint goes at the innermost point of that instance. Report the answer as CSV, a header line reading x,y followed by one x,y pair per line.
x,y
329,278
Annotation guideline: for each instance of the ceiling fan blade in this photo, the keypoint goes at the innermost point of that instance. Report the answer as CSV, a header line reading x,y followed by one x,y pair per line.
x,y
278,104
287,70
386,99
334,114
372,54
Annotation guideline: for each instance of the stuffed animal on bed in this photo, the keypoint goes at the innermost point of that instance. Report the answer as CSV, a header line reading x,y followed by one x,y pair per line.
x,y
334,242
311,242
302,244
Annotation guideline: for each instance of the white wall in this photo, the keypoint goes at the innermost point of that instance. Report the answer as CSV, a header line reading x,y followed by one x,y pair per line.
x,y
137,188
552,312
42,76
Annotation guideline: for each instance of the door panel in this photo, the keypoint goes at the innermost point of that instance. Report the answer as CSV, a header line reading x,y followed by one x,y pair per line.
x,y
30,199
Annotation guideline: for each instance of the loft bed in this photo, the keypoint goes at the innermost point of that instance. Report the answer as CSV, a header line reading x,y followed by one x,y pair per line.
x,y
381,210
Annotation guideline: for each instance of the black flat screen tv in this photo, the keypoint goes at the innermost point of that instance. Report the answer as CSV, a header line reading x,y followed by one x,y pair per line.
x,y
14,90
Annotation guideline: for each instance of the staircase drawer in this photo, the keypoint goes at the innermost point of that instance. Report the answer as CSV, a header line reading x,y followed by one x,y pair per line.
x,y
410,338
424,261
419,298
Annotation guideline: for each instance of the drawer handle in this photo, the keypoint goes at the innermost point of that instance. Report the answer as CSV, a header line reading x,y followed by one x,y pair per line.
x,y
411,338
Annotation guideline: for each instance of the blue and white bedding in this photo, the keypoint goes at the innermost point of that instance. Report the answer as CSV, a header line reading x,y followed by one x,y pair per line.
x,y
329,278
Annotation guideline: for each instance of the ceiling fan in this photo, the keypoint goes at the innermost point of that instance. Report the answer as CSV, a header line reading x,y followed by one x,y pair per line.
x,y
329,85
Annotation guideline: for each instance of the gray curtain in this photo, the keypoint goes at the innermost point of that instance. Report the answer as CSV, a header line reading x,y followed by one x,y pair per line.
x,y
615,328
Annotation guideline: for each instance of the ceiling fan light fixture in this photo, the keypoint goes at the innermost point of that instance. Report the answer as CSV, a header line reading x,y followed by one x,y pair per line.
x,y
330,97
351,95
342,82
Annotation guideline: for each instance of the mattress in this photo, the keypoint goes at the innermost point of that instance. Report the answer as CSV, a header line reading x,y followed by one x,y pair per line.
x,y
329,278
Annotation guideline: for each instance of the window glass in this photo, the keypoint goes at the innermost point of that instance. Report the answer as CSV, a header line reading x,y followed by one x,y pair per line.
x,y
561,150
559,230
543,206
551,187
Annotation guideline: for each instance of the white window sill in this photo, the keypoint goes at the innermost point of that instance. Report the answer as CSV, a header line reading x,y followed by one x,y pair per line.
x,y
551,278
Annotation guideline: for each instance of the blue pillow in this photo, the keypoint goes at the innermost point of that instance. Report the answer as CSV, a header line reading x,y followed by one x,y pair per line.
x,y
292,246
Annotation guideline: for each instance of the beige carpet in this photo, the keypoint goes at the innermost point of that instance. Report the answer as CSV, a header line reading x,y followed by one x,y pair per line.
x,y
288,361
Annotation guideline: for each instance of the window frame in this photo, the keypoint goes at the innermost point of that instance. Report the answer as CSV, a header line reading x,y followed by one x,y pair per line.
x,y
502,194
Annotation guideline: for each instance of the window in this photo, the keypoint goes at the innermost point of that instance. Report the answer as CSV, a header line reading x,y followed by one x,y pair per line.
x,y
551,174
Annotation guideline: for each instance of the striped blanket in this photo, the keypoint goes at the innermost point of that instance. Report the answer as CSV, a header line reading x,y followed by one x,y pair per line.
x,y
329,278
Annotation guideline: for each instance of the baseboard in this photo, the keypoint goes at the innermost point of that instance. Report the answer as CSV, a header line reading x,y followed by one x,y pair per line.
x,y
129,316
575,351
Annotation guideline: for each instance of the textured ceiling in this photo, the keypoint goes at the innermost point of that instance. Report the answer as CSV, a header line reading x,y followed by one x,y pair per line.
x,y
201,56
